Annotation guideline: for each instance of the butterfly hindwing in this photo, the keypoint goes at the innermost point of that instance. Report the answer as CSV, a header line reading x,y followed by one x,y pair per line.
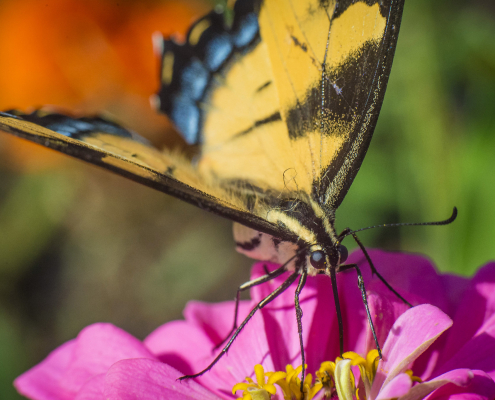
x,y
112,147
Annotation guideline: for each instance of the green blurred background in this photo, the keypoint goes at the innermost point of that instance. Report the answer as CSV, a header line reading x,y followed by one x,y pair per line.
x,y
79,245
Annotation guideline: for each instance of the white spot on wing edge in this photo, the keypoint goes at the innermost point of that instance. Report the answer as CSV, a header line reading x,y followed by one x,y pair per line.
x,y
155,102
157,40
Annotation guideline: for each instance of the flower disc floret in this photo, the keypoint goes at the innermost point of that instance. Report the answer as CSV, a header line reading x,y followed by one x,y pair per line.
x,y
291,385
262,388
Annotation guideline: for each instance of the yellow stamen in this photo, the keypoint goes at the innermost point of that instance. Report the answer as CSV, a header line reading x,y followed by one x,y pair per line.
x,y
264,386
291,385
259,371
325,376
413,378
367,367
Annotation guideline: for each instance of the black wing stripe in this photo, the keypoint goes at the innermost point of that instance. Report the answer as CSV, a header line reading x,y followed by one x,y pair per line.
x,y
338,177
251,244
268,120
128,168
264,86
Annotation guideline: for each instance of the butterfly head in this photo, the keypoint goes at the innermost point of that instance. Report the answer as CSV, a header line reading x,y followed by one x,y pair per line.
x,y
323,259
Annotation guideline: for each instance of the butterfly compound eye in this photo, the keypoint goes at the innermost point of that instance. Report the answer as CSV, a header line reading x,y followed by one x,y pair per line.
x,y
317,259
343,253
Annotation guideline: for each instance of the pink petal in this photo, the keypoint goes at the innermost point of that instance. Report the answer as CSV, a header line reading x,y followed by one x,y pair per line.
x,y
180,345
460,377
320,324
42,382
93,389
151,380
385,309
479,387
453,288
469,384
62,374
249,348
407,274
281,324
477,353
188,348
478,305
186,345
216,319
353,311
411,275
396,388
411,334
259,292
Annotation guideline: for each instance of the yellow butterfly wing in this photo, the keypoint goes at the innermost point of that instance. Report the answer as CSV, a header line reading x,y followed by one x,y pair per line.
x,y
330,61
282,103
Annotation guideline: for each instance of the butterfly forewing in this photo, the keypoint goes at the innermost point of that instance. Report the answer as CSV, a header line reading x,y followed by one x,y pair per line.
x,y
331,61
292,110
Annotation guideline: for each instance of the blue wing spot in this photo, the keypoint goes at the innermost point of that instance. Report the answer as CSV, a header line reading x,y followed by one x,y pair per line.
x,y
71,128
217,52
185,115
194,80
7,114
248,30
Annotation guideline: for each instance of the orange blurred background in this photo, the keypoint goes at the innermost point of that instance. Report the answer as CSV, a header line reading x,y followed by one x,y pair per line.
x,y
77,244
87,57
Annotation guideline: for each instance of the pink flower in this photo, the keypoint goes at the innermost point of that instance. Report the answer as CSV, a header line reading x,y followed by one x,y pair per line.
x,y
412,333
104,362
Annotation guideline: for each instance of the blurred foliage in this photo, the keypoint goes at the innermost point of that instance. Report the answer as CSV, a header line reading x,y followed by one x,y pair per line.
x,y
435,140
79,245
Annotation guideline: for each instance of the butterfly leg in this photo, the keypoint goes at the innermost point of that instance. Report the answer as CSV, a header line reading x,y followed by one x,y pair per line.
x,y
333,278
248,285
299,314
260,305
375,272
365,301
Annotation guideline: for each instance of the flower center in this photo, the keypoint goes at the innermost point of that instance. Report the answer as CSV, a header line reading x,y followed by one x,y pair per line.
x,y
288,381
335,378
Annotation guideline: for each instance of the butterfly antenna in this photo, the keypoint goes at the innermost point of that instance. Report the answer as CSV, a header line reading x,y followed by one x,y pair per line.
x,y
444,222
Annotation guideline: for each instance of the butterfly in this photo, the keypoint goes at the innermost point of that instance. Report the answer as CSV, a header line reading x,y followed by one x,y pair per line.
x,y
280,103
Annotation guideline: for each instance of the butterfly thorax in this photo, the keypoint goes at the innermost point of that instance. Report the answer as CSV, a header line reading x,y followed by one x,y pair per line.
x,y
315,247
